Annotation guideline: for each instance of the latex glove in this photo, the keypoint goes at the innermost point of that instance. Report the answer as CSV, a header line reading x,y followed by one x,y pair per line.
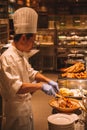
x,y
48,89
54,85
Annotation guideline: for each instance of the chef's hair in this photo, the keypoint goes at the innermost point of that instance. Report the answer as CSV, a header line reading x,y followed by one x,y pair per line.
x,y
18,36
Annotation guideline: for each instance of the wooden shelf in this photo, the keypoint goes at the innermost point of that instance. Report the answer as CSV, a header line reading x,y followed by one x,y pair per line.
x,y
3,21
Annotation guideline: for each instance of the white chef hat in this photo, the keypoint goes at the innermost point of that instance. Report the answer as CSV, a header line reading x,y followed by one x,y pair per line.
x,y
25,20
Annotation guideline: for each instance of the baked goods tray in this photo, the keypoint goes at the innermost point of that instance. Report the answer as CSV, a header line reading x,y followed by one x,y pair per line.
x,y
73,88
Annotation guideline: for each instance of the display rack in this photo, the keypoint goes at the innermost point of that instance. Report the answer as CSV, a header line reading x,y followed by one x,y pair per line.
x,y
72,46
3,22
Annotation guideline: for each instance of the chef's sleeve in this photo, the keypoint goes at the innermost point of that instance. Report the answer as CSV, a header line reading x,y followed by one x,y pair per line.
x,y
9,79
32,73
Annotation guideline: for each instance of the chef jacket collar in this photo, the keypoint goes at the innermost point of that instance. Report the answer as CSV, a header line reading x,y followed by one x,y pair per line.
x,y
21,53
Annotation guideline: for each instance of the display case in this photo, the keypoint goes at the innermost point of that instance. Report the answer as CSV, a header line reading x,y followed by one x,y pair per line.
x,y
72,47
45,37
74,88
72,83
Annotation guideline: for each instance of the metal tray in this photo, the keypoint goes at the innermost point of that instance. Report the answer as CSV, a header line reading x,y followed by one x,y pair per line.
x,y
73,83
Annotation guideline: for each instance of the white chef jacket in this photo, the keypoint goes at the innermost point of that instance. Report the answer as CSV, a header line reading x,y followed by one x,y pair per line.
x,y
15,69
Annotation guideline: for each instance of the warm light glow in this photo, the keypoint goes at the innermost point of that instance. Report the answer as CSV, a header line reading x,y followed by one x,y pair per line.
x,y
80,81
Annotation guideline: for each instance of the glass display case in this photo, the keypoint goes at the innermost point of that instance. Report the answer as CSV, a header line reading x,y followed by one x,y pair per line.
x,y
73,88
72,46
45,37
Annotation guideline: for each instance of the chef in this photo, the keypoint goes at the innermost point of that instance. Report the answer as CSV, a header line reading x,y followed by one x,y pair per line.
x,y
17,76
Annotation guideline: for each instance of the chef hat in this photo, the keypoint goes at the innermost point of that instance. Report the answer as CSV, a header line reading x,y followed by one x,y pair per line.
x,y
25,20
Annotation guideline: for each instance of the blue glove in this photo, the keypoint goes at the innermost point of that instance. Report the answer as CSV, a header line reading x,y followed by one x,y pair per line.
x,y
54,85
48,89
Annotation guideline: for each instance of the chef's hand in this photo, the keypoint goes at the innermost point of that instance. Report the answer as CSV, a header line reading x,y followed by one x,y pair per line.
x,y
48,89
54,85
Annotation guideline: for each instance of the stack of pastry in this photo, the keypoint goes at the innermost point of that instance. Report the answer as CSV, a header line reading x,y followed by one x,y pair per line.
x,y
75,71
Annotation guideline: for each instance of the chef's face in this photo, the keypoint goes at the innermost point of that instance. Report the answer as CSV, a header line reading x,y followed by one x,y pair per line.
x,y
28,43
